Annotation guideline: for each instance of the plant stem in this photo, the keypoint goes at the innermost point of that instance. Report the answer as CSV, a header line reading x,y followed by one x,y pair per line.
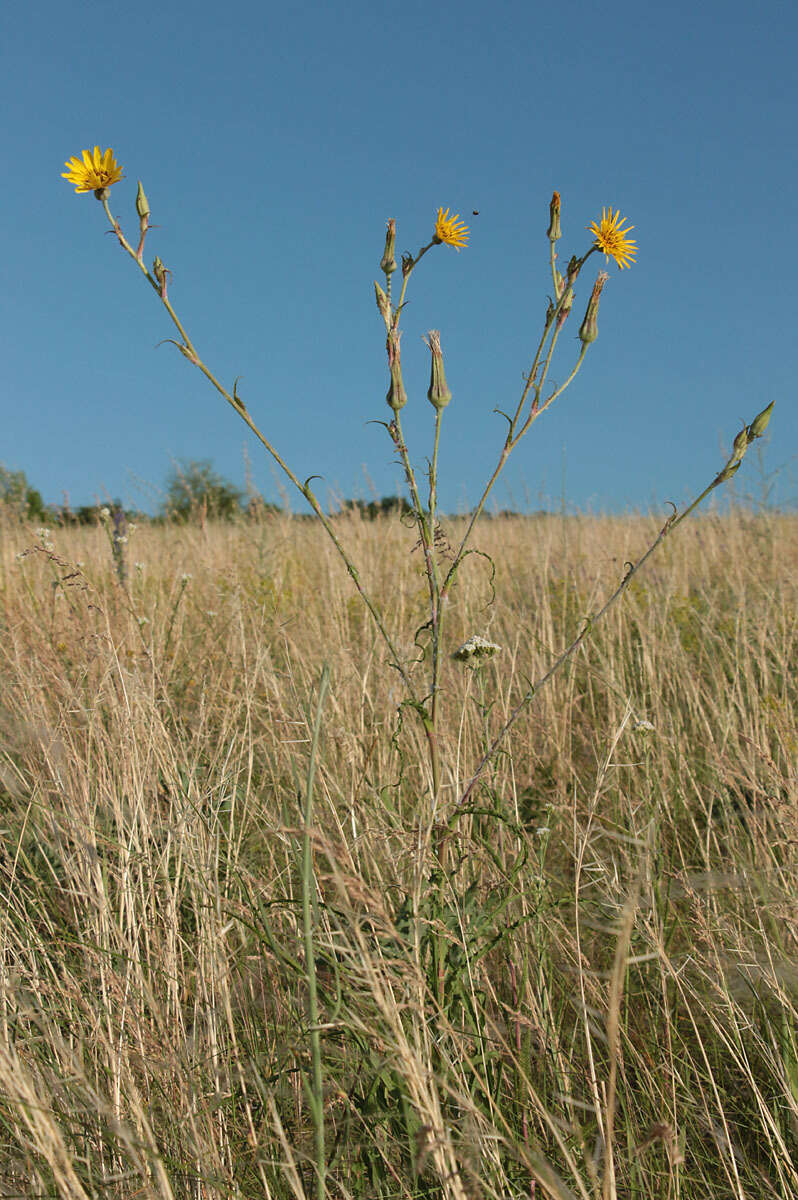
x,y
316,1090
190,352
667,528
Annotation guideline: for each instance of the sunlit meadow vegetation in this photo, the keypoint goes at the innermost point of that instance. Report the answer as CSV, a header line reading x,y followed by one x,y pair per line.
x,y
597,998
405,857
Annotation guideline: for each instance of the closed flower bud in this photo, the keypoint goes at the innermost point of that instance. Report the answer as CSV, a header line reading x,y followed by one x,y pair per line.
x,y
558,284
383,304
567,305
142,204
760,422
730,469
388,262
159,270
438,393
554,230
397,396
588,330
740,445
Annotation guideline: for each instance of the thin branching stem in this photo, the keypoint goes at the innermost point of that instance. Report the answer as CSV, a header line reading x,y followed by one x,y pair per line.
x,y
189,351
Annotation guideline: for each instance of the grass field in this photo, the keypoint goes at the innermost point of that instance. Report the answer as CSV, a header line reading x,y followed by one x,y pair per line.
x,y
596,998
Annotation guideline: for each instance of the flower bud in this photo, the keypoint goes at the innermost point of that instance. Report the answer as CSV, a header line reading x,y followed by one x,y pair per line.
x,y
383,304
760,422
554,231
588,330
740,445
388,261
558,284
438,393
142,204
730,469
567,305
161,274
397,396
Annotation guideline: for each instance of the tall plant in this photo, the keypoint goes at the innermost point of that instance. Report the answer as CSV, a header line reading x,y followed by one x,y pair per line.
x,y
97,171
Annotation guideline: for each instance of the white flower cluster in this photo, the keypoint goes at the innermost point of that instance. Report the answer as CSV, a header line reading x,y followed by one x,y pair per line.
x,y
475,650
643,727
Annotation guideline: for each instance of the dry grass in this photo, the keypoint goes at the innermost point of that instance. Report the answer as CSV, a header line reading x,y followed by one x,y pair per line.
x,y
598,999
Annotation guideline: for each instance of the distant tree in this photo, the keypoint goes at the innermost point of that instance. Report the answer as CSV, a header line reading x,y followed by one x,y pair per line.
x,y
17,495
371,509
195,491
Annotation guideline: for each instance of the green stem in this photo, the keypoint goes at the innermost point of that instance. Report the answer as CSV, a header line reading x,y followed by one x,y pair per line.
x,y
553,264
511,442
569,651
437,630
426,537
316,1091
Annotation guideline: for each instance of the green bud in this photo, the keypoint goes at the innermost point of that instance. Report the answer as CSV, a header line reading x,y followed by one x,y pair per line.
x,y
388,262
438,393
142,204
397,396
159,270
760,422
730,469
588,330
554,231
740,445
567,305
383,304
558,284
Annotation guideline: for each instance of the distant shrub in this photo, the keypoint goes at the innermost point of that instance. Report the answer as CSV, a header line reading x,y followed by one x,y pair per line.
x,y
17,495
371,509
195,491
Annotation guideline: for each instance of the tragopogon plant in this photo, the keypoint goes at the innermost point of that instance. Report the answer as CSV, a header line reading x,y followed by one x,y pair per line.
x,y
97,171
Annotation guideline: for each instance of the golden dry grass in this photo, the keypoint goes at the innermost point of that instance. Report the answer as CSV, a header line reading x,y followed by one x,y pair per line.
x,y
597,999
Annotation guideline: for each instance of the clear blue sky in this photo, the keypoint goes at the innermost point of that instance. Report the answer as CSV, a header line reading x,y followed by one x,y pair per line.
x,y
274,141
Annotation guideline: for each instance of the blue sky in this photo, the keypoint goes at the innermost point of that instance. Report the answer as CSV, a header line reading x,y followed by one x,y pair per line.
x,y
274,141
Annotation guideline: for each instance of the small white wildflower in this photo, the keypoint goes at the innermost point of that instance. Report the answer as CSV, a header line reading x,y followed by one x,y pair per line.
x,y
186,578
643,727
120,538
210,612
20,555
47,545
132,527
80,563
42,534
139,567
476,648
542,830
143,620
105,512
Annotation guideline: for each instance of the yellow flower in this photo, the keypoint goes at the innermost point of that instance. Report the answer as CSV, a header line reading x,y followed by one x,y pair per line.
x,y
450,230
612,239
97,170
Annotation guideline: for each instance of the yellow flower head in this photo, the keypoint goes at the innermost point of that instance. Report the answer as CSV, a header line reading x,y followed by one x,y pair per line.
x,y
450,230
97,170
612,239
